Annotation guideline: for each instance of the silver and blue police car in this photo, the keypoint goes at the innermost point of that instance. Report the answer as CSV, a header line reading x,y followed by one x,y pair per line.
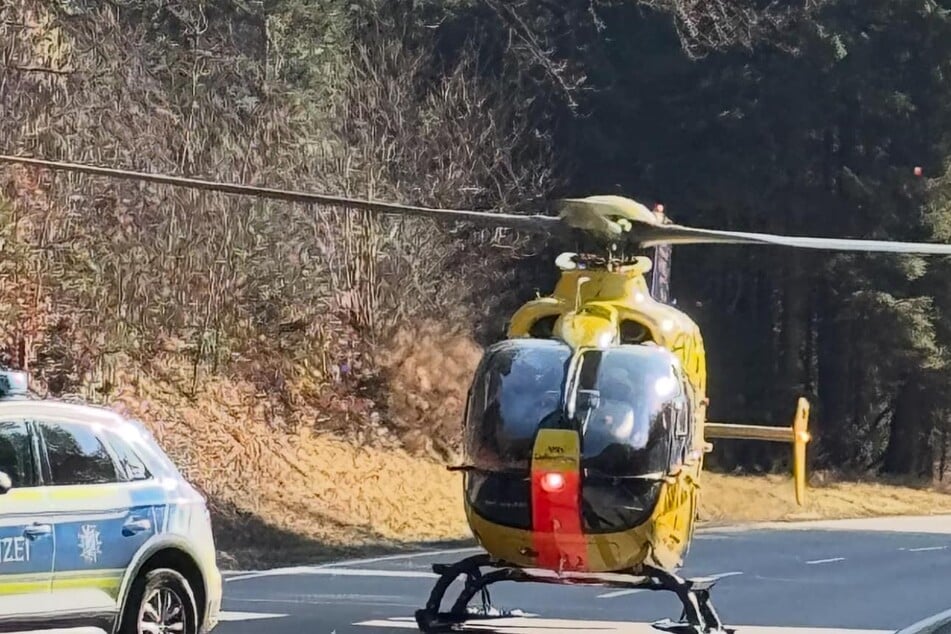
x,y
97,526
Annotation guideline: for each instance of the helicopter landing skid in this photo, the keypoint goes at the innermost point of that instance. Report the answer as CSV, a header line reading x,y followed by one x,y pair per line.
x,y
698,617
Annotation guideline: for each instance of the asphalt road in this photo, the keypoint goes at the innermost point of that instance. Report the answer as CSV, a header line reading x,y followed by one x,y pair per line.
x,y
849,577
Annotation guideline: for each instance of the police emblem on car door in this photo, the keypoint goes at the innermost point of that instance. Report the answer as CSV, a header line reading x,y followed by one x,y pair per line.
x,y
104,515
26,532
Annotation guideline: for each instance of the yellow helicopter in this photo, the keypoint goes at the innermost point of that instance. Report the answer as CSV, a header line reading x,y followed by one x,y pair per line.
x,y
585,427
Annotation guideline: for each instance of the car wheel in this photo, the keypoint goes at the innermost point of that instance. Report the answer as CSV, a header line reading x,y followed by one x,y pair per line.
x,y
160,601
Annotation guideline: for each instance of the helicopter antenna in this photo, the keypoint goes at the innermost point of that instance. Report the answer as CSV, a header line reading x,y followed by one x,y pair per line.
x,y
660,279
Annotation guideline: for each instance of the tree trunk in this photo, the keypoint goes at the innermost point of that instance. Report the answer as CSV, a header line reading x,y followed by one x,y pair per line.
x,y
943,461
903,449
795,321
831,422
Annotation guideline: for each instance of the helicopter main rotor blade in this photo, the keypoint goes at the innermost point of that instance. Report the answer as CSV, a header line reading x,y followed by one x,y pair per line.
x,y
616,216
654,235
609,216
533,223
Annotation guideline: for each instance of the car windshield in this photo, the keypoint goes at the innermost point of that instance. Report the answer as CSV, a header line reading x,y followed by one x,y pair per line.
x,y
624,406
518,385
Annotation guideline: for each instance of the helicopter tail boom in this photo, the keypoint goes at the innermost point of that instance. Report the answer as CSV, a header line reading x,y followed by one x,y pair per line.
x,y
797,434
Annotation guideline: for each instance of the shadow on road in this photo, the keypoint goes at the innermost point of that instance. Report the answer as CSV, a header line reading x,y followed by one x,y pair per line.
x,y
245,542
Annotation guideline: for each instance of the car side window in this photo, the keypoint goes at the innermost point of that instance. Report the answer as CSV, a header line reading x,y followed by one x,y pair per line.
x,y
129,461
16,454
76,455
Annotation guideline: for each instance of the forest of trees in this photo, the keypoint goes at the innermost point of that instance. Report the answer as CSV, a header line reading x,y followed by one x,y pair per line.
x,y
803,117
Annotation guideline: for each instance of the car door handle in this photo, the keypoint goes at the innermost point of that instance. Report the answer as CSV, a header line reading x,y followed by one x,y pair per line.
x,y
35,531
133,527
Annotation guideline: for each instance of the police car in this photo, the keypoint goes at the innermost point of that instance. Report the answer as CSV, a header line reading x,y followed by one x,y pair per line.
x,y
97,526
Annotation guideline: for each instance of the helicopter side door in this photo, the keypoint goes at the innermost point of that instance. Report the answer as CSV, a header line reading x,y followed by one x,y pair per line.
x,y
680,412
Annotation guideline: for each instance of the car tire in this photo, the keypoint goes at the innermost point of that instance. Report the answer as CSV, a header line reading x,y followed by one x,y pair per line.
x,y
147,595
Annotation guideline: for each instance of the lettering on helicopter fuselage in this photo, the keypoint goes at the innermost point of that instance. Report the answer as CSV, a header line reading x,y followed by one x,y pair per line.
x,y
552,452
14,550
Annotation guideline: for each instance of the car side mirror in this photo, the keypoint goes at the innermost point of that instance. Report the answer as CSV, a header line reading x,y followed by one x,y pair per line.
x,y
5,483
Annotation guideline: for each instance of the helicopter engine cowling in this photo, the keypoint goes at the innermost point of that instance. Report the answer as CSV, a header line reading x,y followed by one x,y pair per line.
x,y
597,324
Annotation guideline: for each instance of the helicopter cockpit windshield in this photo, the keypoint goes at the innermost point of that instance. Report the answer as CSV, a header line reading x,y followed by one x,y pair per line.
x,y
518,387
626,403
631,410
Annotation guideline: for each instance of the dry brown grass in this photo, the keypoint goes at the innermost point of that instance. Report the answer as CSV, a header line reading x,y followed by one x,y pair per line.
x,y
268,483
731,498
427,373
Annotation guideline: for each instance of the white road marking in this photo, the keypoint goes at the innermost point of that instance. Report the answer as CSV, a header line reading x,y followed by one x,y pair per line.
x,y
69,630
295,597
341,572
621,593
406,574
719,575
922,550
428,553
276,572
825,561
241,575
246,616
565,626
296,600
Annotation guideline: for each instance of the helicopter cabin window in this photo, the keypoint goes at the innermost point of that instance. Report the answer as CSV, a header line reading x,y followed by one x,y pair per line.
x,y
517,389
544,327
626,406
632,332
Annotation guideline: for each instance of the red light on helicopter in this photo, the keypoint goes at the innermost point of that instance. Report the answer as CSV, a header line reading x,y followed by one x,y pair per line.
x,y
553,482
